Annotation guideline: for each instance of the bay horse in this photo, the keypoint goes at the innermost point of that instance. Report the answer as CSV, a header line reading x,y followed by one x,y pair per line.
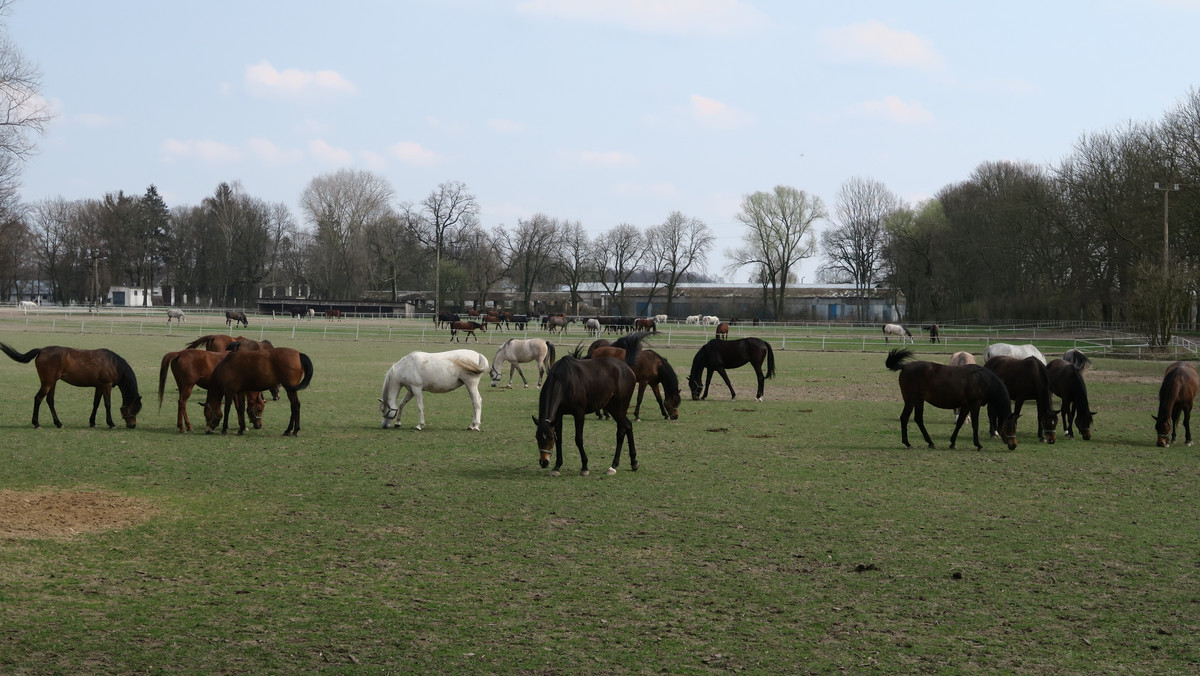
x,y
333,313
232,316
897,330
101,369
468,328
242,372
1066,383
436,372
1175,396
723,331
194,367
219,342
966,388
517,351
445,317
961,359
557,322
1027,379
646,323
718,355
577,387
650,369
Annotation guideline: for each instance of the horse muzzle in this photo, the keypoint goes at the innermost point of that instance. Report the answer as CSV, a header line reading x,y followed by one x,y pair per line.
x,y
544,459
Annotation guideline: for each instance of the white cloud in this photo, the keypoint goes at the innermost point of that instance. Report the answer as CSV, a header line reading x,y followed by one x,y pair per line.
x,y
372,160
94,120
875,42
413,153
327,154
658,190
608,159
212,152
263,80
709,17
716,115
505,126
272,155
893,109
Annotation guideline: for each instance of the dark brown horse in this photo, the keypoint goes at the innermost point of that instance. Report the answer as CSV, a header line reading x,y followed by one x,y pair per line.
x,y
1066,382
244,372
966,388
468,328
1027,379
219,342
1175,396
101,369
646,323
718,355
577,387
599,342
650,369
723,331
233,316
192,368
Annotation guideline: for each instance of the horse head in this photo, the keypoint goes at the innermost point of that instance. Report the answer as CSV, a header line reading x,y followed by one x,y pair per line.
x,y
671,400
388,412
1049,426
495,374
129,411
212,413
1008,431
545,440
1162,429
695,386
1083,420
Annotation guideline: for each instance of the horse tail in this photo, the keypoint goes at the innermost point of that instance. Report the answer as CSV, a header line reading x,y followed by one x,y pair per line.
x,y
307,365
17,356
550,353
770,359
897,357
162,375
202,340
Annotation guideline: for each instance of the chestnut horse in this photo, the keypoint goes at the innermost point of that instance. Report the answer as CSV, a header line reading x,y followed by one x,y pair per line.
x,y
1027,379
1175,396
723,331
192,368
219,342
101,369
718,355
966,388
244,372
1066,383
468,328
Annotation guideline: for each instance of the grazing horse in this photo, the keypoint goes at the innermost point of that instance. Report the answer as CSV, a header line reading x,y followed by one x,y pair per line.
x,y
577,387
718,355
101,369
468,328
1007,350
516,352
333,313
1077,359
592,325
192,368
436,372
710,320
645,323
1027,379
897,330
935,334
966,388
660,319
232,316
27,305
961,359
1175,396
723,331
692,319
559,323
176,314
1066,382
243,372
653,369
445,317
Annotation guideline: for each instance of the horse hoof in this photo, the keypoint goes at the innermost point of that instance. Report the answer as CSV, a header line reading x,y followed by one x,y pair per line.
x,y
611,471
584,472
473,428
554,472
1188,444
758,399
633,466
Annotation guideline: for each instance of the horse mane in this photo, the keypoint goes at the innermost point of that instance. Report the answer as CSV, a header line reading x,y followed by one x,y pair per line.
x,y
126,380
1079,360
632,344
666,374
998,401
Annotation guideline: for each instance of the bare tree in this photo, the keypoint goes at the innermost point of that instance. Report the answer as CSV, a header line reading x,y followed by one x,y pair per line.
x,y
342,207
572,261
56,243
485,250
780,234
439,222
679,245
23,113
531,250
854,249
616,255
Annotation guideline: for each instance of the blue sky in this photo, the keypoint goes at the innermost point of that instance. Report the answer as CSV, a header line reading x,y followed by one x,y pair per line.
x,y
605,112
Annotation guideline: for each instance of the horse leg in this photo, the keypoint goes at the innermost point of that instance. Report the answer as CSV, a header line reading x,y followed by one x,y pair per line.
x,y
107,406
294,421
1187,423
46,393
517,367
225,420
583,461
762,381
904,424
239,404
960,419
419,395
181,418
408,394
637,410
732,394
919,417
558,445
624,429
477,403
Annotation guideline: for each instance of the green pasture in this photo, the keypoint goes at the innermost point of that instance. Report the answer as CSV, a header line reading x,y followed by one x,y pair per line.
x,y
795,535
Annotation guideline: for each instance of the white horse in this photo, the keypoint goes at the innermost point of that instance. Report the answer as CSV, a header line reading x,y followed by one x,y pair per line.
x,y
432,372
660,319
593,326
27,305
517,351
1007,350
692,319
710,320
176,314
897,330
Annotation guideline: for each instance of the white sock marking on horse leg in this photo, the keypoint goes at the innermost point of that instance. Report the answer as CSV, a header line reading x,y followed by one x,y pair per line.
x,y
612,471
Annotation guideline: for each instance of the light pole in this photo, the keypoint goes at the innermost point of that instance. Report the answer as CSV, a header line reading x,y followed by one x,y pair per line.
x,y
1166,191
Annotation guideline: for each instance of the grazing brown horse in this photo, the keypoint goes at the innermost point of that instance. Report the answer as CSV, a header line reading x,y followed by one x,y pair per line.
x,y
1027,379
935,334
723,331
333,314
101,369
1066,383
217,342
234,317
192,368
646,323
244,372
1175,396
468,328
718,355
966,388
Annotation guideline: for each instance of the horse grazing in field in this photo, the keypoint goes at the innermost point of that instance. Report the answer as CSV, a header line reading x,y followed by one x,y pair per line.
x,y
192,368
516,352
333,313
27,305
577,387
436,372
660,319
692,319
723,331
1066,383
1027,379
1077,359
176,314
101,369
1007,350
935,334
646,323
1175,396
445,317
468,328
897,330
559,323
592,326
232,316
966,388
242,372
718,355
654,370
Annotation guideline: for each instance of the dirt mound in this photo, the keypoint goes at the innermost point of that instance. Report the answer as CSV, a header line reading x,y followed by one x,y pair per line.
x,y
64,514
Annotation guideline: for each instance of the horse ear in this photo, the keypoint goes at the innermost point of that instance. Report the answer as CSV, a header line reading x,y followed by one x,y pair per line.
x,y
535,420
381,401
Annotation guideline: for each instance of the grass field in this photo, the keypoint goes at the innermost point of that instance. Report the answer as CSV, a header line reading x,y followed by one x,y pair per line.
x,y
795,535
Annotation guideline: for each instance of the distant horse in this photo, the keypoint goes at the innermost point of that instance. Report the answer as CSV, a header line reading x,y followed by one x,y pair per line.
x,y
966,388
101,369
192,368
592,325
559,323
176,314
232,316
710,320
723,331
935,334
897,330
577,387
1077,359
468,328
516,352
243,372
645,323
718,355
1066,382
219,342
660,319
333,313
27,305
1027,379
312,313
692,319
1007,350
445,317
1175,396
437,372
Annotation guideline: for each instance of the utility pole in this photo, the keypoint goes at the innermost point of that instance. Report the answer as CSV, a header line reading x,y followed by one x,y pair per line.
x,y
1166,191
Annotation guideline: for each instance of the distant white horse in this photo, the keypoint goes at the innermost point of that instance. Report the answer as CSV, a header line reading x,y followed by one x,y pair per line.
x,y
593,326
897,330
517,351
435,372
176,314
27,305
1007,350
660,319
710,320
692,319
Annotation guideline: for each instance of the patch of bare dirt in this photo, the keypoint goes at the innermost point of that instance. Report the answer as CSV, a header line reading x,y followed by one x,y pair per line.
x,y
64,514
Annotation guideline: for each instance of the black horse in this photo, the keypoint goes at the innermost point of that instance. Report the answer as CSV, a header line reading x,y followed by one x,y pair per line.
x,y
446,317
963,387
577,387
718,355
1066,382
1027,379
232,316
